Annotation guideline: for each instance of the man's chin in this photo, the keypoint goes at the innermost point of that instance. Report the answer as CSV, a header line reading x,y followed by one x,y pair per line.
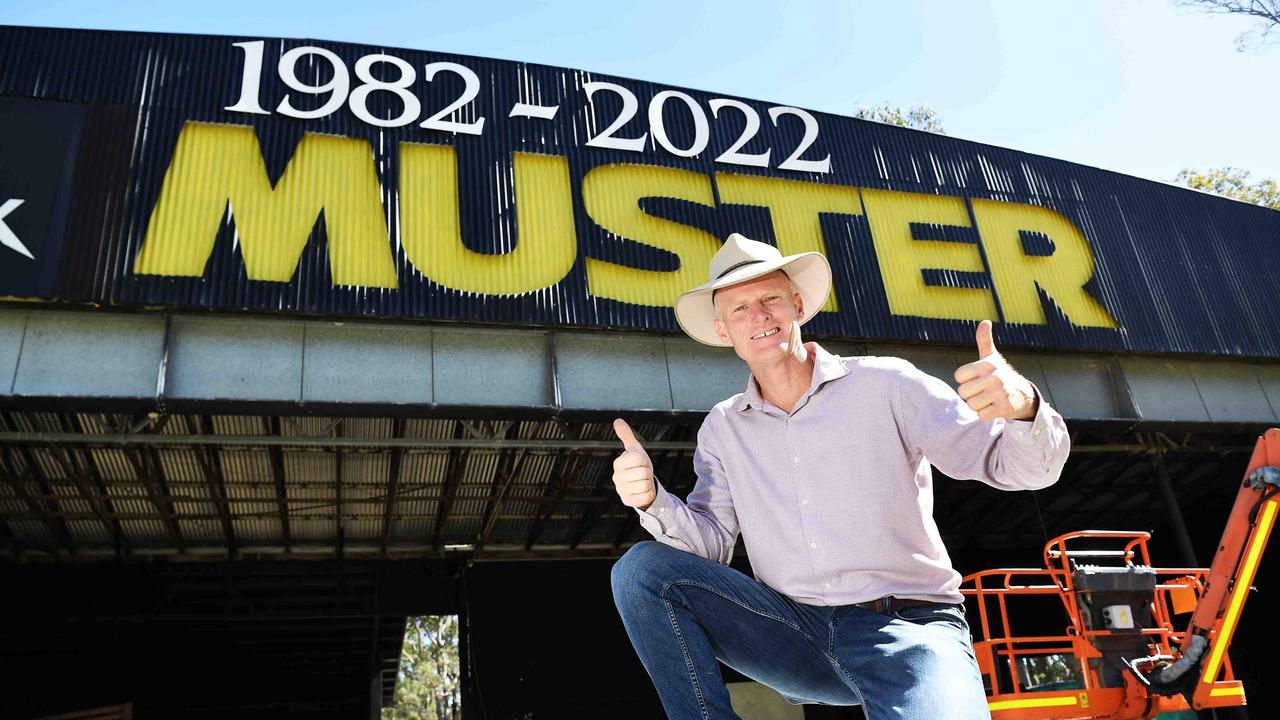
x,y
761,352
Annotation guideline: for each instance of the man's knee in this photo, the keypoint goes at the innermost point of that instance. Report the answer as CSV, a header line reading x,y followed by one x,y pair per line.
x,y
642,571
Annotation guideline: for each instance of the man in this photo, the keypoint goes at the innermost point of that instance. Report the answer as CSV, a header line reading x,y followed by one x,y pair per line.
x,y
823,465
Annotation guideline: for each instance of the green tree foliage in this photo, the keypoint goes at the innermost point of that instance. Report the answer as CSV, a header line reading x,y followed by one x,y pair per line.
x,y
1233,183
918,117
428,686
1058,671
1265,15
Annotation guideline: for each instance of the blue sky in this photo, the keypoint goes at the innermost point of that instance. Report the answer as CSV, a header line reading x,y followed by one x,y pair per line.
x,y
1142,87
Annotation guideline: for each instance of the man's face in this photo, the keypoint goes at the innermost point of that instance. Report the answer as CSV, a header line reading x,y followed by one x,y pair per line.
x,y
756,316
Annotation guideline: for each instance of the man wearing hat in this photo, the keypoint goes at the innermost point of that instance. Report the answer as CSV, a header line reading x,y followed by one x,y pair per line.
x,y
823,466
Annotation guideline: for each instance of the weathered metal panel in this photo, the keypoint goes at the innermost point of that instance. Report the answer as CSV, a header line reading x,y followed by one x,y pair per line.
x,y
1082,388
491,368
74,354
1163,389
236,359
612,372
1231,393
1269,378
199,178
381,364
702,376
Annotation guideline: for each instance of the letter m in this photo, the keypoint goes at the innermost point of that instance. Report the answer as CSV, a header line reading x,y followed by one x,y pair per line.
x,y
214,165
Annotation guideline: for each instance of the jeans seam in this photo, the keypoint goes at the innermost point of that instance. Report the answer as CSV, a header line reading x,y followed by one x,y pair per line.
x,y
684,650
831,636
742,605
689,662
839,666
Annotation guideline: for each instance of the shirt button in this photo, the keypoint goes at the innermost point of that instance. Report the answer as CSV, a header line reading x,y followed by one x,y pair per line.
x,y
813,546
1020,433
795,460
788,421
826,585
1036,433
804,501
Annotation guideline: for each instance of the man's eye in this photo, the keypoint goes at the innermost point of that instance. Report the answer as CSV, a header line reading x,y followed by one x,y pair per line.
x,y
740,308
773,298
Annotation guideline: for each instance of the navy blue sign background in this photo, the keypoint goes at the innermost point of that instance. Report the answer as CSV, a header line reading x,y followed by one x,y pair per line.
x,y
37,158
1180,271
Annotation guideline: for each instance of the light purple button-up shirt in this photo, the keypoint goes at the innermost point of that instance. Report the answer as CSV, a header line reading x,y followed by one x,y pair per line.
x,y
835,500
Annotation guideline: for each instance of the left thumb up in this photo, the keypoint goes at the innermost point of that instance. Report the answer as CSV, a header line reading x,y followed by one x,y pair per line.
x,y
986,343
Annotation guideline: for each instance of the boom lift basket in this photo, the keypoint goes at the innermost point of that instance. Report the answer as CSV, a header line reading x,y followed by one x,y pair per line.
x,y
1121,654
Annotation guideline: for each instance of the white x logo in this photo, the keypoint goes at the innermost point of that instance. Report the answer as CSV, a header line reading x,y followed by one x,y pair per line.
x,y
7,238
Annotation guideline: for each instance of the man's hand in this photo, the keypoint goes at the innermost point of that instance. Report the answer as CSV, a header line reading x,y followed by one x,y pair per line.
x,y
992,387
633,470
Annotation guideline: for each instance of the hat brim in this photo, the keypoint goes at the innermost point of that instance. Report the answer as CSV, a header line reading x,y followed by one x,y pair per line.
x,y
809,272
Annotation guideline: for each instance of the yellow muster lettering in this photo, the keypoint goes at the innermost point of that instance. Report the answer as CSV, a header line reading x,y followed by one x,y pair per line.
x,y
546,243
903,259
215,166
612,194
995,259
794,207
1061,266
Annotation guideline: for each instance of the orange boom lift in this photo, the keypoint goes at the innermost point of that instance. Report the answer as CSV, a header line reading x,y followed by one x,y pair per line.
x,y
1121,657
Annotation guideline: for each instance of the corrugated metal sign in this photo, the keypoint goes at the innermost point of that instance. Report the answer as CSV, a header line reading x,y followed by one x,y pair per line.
x,y
326,178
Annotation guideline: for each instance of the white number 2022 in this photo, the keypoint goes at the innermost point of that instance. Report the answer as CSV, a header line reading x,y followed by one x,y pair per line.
x,y
608,138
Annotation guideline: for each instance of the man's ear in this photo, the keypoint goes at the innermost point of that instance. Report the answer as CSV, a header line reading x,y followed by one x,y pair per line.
x,y
798,300
719,326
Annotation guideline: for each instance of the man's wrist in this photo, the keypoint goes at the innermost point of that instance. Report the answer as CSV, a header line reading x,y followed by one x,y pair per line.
x,y
1033,406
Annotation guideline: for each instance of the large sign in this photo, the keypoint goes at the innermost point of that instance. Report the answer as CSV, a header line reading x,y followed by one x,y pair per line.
x,y
339,180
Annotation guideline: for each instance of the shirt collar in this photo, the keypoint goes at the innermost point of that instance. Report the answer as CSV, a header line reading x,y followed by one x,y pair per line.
x,y
826,367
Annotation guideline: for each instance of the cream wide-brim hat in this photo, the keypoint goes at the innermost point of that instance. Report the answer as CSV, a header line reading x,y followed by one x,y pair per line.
x,y
742,259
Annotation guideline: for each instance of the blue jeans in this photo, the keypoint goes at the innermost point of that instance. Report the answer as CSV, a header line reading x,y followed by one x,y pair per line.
x,y
684,613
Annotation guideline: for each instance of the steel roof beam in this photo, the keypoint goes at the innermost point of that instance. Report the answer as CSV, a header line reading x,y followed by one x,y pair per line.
x,y
458,457
96,494
339,528
47,509
563,475
508,471
277,477
393,484
211,469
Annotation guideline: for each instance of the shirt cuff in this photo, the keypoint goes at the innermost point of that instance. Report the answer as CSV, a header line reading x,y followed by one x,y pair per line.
x,y
657,518
1037,430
